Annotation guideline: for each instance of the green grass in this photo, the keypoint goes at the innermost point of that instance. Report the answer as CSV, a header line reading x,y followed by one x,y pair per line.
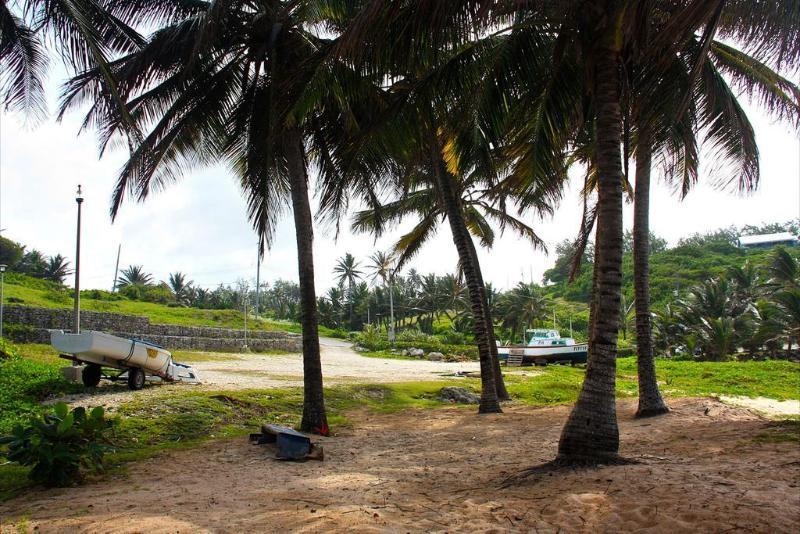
x,y
386,355
27,291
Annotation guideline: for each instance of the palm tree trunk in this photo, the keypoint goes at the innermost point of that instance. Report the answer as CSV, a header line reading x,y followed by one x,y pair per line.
x,y
500,386
591,433
489,402
650,400
314,418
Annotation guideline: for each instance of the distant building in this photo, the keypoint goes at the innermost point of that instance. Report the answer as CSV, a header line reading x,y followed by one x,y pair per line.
x,y
768,240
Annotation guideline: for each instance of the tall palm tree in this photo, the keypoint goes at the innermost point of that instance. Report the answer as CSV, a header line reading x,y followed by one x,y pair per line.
x,y
57,269
84,34
134,275
248,84
383,268
522,306
693,97
181,288
347,271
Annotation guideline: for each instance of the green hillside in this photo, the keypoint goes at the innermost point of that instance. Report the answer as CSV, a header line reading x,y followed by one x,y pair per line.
x,y
28,291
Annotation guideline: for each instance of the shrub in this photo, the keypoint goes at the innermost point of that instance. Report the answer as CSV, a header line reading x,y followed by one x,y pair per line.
x,y
451,337
21,333
61,446
7,350
99,294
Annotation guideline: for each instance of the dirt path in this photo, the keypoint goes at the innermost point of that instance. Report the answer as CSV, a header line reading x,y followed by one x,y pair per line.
x,y
340,365
705,467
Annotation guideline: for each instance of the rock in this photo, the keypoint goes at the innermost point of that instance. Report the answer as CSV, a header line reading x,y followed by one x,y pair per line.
x,y
435,356
359,348
416,352
404,352
458,396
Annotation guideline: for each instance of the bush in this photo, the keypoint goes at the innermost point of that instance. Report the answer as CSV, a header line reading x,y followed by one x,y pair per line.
x,y
21,333
99,294
61,445
7,350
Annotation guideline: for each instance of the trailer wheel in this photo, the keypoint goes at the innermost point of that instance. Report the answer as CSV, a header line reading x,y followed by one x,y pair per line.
x,y
91,375
135,378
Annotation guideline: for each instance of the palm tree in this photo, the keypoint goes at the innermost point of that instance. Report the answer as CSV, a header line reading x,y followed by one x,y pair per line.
x,y
57,269
694,96
521,307
347,271
250,84
181,288
134,275
382,267
84,34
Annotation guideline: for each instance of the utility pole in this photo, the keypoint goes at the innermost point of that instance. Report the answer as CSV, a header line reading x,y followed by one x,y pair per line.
x,y
2,283
245,348
258,276
76,326
116,270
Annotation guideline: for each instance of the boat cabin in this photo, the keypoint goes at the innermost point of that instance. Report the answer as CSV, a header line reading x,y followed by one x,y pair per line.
x,y
547,337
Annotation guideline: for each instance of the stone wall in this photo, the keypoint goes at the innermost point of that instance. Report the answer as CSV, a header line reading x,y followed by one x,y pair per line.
x,y
33,325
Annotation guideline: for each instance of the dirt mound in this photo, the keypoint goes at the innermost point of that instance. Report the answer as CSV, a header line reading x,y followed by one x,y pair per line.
x,y
704,467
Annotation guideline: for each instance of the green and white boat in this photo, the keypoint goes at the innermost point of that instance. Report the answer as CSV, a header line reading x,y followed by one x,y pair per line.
x,y
544,346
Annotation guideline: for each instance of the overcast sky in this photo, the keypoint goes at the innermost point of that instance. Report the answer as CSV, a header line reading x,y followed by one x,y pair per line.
x,y
199,225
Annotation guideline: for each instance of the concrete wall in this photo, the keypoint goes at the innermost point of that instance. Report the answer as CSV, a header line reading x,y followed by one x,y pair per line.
x,y
36,323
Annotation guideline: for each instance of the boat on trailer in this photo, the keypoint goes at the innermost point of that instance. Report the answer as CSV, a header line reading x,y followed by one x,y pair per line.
x,y
134,358
544,346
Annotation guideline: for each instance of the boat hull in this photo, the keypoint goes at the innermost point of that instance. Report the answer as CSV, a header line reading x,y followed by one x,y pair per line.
x,y
532,355
111,351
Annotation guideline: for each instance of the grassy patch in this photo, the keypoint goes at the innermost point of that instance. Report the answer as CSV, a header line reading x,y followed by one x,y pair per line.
x,y
185,356
385,354
787,431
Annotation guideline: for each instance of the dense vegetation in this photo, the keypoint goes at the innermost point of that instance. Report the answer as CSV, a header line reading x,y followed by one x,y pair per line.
x,y
437,306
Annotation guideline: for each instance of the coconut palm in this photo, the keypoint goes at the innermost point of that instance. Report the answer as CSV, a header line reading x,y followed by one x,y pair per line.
x,y
180,287
135,276
521,307
248,84
57,269
694,97
83,34
347,272
383,268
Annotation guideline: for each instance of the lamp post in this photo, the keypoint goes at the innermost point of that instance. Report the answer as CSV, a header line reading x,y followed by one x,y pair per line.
x,y
2,282
76,326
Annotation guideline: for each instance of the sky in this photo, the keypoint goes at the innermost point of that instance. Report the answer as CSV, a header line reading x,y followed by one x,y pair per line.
x,y
199,224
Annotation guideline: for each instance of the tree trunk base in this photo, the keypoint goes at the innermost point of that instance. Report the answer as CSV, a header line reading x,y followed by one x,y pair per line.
x,y
492,406
560,464
653,411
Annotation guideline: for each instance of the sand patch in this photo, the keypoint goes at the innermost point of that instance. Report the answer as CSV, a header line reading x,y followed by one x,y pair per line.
x,y
770,407
702,469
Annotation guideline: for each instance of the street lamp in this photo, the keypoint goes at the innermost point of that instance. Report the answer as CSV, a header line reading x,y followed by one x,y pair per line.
x,y
2,282
76,326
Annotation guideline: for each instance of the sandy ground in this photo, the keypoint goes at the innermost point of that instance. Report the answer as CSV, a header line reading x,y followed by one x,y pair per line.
x,y
340,365
703,468
764,405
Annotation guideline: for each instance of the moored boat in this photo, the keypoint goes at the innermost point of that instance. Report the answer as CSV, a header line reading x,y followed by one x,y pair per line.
x,y
544,346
